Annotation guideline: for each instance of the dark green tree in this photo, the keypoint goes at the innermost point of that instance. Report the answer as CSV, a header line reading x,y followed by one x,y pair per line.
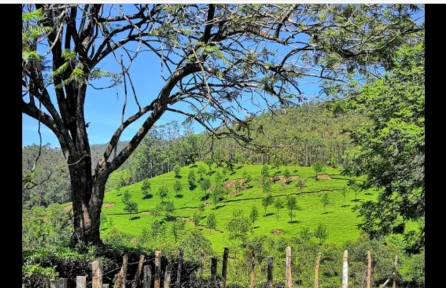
x,y
253,215
291,204
391,148
177,187
177,170
145,188
267,201
191,179
325,200
163,192
211,222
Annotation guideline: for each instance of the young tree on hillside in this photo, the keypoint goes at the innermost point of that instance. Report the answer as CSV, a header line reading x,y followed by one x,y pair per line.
x,y
145,188
305,234
253,215
65,47
163,192
238,227
344,194
126,197
177,187
265,174
247,177
177,170
205,184
191,179
291,204
237,186
325,201
201,172
131,207
177,227
218,179
158,228
287,175
216,195
267,187
267,201
278,204
317,167
211,222
301,184
321,233
196,218
168,207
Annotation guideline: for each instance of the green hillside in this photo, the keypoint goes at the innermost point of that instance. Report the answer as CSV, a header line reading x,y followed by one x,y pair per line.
x,y
338,215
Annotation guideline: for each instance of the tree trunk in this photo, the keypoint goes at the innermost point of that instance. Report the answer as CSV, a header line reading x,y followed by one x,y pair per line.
x,y
87,192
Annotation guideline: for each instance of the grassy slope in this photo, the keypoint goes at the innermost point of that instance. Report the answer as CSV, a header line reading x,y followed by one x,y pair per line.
x,y
339,218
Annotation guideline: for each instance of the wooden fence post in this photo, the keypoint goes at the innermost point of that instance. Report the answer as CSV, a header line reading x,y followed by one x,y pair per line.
x,y
168,275
157,269
81,282
289,279
224,268
180,266
147,277
214,269
253,266
138,272
202,263
316,271
369,269
270,272
345,270
395,271
124,270
96,268
105,285
46,283
61,283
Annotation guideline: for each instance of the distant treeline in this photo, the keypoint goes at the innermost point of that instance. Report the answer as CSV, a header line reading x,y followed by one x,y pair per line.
x,y
300,135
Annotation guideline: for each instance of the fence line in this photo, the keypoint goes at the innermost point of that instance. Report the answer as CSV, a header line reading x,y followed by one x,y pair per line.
x,y
120,279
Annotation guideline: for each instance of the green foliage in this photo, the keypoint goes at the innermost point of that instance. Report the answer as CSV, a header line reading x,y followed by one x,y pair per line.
x,y
205,184
168,207
211,222
126,197
131,207
287,174
392,144
291,204
145,188
247,177
177,227
321,233
217,193
305,234
158,229
238,226
266,187
163,192
196,218
278,204
209,162
267,201
254,215
265,174
325,200
191,179
177,170
177,187
193,243
45,228
201,171
317,167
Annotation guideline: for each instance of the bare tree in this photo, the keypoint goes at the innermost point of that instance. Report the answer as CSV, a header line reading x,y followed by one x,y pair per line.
x,y
213,58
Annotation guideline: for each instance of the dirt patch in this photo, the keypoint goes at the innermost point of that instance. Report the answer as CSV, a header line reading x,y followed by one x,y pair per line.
x,y
276,232
324,177
133,240
283,179
231,184
207,204
108,205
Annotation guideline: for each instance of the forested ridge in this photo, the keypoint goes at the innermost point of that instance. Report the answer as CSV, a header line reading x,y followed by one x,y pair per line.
x,y
302,135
